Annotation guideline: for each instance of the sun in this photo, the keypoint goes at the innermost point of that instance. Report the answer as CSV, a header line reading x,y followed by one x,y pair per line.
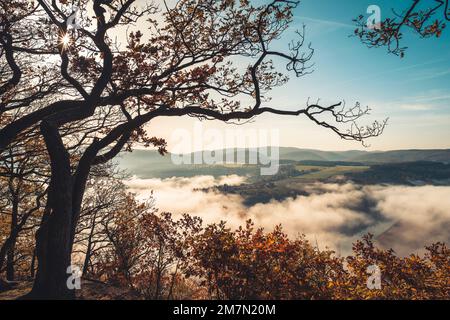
x,y
65,40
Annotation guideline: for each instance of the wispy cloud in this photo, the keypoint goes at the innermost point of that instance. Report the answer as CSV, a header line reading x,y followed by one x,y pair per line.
x,y
436,97
432,74
393,71
416,107
329,23
431,100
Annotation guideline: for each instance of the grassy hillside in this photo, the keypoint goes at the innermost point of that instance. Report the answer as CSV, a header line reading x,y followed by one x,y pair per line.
x,y
325,172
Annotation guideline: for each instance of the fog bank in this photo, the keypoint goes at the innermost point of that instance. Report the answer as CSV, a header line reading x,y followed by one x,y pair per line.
x,y
333,216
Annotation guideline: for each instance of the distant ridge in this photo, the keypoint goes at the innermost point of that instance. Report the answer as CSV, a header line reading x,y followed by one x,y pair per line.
x,y
297,154
406,156
149,163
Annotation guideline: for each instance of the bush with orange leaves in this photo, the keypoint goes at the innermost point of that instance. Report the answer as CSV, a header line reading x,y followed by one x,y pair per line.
x,y
251,264
413,277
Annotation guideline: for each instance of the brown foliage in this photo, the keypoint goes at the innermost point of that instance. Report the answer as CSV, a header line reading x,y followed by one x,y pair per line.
x,y
178,259
145,250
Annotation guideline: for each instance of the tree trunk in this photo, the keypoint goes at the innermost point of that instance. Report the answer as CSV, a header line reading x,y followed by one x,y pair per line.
x,y
7,253
53,256
53,239
33,265
13,237
10,274
87,258
5,249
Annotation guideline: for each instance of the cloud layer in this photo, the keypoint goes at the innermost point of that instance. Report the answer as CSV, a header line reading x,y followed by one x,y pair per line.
x,y
333,216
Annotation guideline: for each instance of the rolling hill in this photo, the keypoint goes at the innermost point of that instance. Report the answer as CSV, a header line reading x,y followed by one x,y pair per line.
x,y
149,163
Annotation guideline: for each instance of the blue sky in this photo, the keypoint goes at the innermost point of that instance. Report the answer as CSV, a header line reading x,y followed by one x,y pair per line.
x,y
414,92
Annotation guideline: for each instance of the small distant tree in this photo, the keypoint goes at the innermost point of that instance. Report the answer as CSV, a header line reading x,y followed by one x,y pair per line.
x,y
105,195
143,249
23,181
168,246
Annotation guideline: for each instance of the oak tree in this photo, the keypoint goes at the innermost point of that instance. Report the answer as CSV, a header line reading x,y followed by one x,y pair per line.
x,y
126,64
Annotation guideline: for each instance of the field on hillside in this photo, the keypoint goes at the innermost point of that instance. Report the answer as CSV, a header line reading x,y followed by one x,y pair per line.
x,y
310,172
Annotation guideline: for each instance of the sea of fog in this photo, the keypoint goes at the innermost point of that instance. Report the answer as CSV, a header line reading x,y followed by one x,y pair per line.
x,y
331,216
